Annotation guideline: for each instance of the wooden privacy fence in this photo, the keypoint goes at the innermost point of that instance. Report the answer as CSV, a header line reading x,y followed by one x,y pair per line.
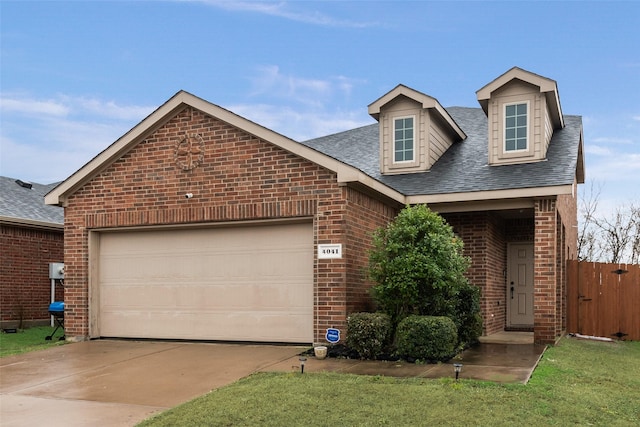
x,y
603,300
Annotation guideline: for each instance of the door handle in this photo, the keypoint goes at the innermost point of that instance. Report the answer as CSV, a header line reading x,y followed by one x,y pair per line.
x,y
512,290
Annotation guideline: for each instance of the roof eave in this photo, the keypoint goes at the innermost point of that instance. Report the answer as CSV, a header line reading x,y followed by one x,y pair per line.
x,y
31,223
477,196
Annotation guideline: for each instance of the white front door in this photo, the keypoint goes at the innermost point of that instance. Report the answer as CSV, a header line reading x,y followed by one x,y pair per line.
x,y
520,285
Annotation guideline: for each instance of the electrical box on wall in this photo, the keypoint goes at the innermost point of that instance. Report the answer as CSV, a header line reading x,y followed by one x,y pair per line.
x,y
56,270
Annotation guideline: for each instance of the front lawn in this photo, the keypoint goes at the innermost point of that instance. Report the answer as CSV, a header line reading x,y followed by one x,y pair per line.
x,y
576,383
25,340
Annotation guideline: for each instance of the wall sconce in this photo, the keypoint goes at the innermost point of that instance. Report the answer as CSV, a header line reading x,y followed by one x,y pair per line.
x,y
457,368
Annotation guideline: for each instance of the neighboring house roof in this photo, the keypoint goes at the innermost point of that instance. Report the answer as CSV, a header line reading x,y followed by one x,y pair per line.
x,y
463,169
22,203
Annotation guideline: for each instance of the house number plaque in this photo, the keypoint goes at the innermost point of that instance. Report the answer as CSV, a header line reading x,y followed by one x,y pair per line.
x,y
330,251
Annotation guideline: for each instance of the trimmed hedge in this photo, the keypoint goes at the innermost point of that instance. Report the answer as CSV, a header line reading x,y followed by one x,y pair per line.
x,y
368,333
427,338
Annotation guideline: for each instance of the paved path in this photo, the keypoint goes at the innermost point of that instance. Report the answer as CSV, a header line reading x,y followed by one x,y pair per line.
x,y
504,363
120,383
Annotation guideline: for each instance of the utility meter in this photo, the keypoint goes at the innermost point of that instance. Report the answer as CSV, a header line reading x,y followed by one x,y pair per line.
x,y
56,270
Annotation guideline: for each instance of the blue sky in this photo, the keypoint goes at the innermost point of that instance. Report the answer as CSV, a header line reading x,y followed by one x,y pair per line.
x,y
75,76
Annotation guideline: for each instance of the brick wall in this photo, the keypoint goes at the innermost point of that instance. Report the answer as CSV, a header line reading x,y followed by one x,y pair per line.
x,y
567,249
240,178
25,292
363,216
545,272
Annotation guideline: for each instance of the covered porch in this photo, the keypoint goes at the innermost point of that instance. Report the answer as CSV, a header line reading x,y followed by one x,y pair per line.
x,y
518,261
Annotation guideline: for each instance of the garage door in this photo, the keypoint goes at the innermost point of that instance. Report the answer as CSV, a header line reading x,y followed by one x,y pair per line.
x,y
252,283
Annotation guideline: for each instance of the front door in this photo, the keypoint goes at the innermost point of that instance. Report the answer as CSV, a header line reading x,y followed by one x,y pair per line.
x,y
520,285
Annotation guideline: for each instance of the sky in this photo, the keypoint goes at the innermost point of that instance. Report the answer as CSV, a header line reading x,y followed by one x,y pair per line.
x,y
77,75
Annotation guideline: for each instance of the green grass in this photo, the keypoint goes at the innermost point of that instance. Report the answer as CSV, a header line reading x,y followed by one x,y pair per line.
x,y
576,383
26,340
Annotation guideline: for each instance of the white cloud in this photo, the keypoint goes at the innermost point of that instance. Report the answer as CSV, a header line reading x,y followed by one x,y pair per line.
x,y
108,108
597,150
47,140
620,171
612,140
301,125
271,82
285,10
13,104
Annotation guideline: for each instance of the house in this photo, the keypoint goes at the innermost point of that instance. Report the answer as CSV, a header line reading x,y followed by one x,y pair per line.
x,y
31,237
200,224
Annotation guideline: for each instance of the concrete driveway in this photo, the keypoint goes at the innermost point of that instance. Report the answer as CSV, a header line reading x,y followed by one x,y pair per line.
x,y
120,383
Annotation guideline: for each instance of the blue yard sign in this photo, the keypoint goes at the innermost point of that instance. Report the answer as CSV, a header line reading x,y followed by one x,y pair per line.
x,y
332,335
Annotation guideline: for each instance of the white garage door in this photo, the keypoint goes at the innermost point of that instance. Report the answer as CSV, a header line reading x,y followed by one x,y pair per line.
x,y
252,283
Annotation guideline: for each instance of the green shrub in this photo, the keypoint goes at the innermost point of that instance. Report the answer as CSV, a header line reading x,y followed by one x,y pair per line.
x,y
418,267
368,333
468,319
427,337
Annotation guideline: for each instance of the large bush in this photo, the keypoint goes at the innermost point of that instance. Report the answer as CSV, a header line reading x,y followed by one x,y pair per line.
x,y
418,266
368,333
427,338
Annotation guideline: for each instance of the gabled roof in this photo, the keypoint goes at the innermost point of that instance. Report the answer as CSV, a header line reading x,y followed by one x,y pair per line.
x,y
426,101
182,99
462,173
547,86
23,204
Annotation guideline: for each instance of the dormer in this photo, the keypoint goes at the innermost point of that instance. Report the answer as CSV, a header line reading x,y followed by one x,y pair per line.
x,y
415,130
523,110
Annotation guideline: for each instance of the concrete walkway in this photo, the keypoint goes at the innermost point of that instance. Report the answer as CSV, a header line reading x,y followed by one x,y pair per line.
x,y
497,362
120,383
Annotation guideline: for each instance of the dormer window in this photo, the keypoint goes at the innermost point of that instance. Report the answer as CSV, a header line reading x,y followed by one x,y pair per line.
x,y
414,130
404,139
515,127
523,110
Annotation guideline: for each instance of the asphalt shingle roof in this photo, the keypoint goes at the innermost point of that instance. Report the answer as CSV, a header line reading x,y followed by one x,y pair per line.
x,y
464,166
28,203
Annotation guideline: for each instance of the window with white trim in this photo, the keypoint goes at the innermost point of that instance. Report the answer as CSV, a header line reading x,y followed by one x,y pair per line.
x,y
515,127
403,139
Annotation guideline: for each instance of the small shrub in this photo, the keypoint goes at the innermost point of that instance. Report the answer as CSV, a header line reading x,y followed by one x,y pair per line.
x,y
368,333
427,337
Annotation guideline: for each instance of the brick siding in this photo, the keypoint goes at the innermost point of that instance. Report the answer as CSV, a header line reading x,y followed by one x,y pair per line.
x,y
25,293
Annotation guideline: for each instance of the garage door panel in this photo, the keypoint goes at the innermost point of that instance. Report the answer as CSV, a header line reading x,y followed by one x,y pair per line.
x,y
238,326
242,283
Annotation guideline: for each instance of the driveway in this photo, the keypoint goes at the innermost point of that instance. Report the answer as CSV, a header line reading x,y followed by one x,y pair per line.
x,y
120,383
